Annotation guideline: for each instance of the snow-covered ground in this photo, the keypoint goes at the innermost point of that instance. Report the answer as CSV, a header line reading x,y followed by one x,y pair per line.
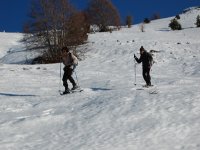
x,y
111,113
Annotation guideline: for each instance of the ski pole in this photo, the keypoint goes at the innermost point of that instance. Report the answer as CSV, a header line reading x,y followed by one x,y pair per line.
x,y
135,71
76,78
60,77
60,72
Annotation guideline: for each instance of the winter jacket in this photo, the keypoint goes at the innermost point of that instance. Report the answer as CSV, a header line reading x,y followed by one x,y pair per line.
x,y
146,59
69,59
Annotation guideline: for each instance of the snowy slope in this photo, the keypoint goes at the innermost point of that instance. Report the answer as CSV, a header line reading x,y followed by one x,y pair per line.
x,y
111,114
13,50
9,42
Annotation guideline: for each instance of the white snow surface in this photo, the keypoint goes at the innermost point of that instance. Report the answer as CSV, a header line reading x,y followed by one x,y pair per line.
x,y
111,113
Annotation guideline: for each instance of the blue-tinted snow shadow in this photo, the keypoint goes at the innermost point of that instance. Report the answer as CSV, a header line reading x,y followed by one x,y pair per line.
x,y
164,29
11,94
168,29
100,89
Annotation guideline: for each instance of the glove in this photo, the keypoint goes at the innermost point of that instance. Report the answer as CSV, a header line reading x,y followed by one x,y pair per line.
x,y
135,56
74,67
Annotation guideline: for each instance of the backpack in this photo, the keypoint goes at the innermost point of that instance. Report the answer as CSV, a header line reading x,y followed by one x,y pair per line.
x,y
74,59
150,58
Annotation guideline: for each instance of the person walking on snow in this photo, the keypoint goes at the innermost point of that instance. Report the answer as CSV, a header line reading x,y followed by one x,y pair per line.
x,y
70,62
147,60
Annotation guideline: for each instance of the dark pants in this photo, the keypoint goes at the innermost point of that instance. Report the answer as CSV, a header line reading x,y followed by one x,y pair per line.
x,y
68,76
146,75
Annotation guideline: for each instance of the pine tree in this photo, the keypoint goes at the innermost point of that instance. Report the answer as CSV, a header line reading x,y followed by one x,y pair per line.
x,y
198,21
175,25
146,20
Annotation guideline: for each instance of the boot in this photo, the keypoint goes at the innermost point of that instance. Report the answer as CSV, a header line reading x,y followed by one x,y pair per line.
x,y
145,86
66,91
149,84
74,87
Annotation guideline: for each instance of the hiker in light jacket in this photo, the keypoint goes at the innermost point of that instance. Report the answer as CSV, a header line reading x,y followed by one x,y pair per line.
x,y
70,62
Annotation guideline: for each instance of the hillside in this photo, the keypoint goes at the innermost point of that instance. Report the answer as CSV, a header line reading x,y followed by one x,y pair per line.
x,y
111,113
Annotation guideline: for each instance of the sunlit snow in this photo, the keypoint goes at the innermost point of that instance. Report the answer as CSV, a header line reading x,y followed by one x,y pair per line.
x,y
112,113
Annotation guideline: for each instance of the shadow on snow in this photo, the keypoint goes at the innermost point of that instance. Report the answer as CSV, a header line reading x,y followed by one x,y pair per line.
x,y
11,94
100,89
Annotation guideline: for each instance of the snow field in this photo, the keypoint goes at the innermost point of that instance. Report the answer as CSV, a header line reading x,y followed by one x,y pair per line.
x,y
111,113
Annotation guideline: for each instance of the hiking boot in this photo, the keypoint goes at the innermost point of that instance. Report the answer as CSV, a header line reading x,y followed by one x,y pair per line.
x,y
74,87
146,86
150,84
66,91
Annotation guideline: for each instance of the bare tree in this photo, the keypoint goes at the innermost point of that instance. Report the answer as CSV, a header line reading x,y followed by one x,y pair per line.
x,y
50,27
103,13
155,16
79,27
129,21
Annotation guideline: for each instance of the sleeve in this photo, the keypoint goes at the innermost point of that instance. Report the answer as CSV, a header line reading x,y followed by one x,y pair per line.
x,y
75,59
151,60
140,59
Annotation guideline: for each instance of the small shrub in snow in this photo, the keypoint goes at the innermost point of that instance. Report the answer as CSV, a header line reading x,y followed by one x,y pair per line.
x,y
25,69
175,25
146,20
178,17
198,21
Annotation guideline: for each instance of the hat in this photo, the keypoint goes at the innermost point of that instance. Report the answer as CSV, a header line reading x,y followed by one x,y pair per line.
x,y
141,48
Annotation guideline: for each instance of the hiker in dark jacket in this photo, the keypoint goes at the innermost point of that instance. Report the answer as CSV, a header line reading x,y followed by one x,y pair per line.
x,y
146,59
70,61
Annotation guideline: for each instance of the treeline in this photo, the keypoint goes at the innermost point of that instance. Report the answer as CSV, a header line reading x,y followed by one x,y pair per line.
x,y
54,24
